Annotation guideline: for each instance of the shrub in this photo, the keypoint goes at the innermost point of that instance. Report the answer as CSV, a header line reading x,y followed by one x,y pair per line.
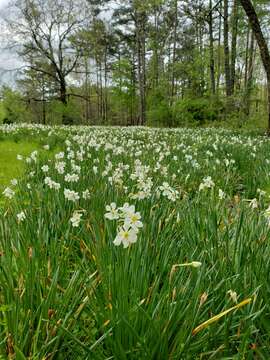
x,y
160,115
196,111
158,108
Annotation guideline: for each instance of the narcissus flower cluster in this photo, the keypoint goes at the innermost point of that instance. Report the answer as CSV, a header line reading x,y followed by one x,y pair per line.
x,y
129,223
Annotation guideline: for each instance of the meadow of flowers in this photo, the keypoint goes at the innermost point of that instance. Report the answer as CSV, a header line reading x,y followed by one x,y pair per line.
x,y
136,243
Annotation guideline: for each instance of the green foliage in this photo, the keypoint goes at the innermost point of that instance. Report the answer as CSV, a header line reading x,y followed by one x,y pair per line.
x,y
196,111
70,112
2,112
123,92
158,109
159,115
13,107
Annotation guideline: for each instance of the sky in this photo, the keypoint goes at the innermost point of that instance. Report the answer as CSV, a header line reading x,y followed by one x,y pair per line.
x,y
8,58
3,3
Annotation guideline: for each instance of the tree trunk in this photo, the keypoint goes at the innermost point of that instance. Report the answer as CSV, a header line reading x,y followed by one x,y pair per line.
x,y
87,93
63,93
140,41
226,49
143,71
265,55
202,69
246,57
101,94
219,49
235,17
155,51
43,102
211,49
174,49
105,86
63,98
248,87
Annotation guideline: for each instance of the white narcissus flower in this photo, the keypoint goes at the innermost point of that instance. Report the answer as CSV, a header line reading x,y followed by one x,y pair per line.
x,y
233,295
221,194
60,155
207,183
71,195
133,221
128,223
112,212
52,184
168,191
14,182
45,168
72,178
165,188
33,155
46,147
254,203
60,167
76,218
76,168
8,193
86,194
127,209
125,236
21,216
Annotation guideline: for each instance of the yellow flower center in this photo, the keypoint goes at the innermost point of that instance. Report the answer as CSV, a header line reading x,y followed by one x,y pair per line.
x,y
125,234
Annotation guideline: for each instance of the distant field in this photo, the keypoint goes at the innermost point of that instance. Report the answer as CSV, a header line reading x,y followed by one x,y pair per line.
x,y
134,244
10,167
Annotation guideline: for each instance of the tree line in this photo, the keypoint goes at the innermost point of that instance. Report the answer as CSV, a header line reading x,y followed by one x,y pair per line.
x,y
135,62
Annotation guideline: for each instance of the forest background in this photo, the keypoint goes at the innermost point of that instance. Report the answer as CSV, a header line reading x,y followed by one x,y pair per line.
x,y
154,62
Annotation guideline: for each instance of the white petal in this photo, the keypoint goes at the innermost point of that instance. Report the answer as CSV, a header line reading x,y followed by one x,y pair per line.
x,y
117,241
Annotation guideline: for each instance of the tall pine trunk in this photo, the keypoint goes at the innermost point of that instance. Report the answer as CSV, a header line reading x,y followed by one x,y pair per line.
x,y
250,65
140,42
219,48
174,49
226,49
265,55
235,17
211,50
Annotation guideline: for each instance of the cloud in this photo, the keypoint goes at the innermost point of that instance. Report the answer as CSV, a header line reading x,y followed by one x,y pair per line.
x,y
9,60
3,4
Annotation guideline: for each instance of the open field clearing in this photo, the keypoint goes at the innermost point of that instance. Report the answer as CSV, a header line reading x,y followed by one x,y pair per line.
x,y
134,243
10,166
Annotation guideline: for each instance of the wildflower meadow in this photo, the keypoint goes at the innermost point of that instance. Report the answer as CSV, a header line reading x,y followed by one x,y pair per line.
x,y
135,243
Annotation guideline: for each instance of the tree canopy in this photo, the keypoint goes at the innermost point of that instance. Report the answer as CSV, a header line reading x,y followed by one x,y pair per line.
x,y
155,62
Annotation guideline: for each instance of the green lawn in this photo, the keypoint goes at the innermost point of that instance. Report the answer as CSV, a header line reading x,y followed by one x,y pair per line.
x,y
10,167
